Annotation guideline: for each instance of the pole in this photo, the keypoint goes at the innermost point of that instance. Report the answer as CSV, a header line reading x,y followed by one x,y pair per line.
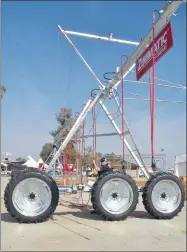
x,y
2,88
0,81
152,88
122,115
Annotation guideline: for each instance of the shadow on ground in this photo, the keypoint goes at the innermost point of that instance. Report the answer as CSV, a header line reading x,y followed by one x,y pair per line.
x,y
83,214
6,217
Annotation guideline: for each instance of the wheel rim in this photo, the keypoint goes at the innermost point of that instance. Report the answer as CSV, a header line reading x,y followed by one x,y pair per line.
x,y
116,196
166,196
31,197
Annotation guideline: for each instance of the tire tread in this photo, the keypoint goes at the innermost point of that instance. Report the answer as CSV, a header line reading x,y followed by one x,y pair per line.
x,y
146,196
94,197
9,190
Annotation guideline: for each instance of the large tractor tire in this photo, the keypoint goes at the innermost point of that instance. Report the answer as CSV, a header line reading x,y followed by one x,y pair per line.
x,y
163,196
114,196
31,196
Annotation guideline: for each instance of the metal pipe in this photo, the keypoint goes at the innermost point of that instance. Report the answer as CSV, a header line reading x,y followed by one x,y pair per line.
x,y
100,37
0,82
65,188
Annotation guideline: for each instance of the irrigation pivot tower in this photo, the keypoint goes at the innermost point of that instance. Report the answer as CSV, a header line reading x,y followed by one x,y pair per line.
x,y
32,195
106,91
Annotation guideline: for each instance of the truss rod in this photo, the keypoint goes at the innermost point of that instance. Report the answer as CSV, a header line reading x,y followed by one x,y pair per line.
x,y
80,55
157,100
140,164
169,9
157,84
110,39
173,84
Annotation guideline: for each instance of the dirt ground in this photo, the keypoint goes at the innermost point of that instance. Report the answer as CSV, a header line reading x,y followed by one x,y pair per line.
x,y
78,230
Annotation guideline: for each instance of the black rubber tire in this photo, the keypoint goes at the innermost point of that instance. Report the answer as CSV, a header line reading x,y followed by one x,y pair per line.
x,y
93,188
147,191
15,173
97,206
18,177
29,169
92,195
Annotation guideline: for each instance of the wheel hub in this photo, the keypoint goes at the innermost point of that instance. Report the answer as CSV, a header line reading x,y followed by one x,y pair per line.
x,y
116,196
163,195
31,197
166,196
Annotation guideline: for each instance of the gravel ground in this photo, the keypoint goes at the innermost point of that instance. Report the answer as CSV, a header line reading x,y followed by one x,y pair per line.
x,y
77,229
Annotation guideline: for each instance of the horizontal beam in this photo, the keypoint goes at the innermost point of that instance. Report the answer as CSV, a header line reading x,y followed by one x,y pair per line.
x,y
106,134
97,135
110,39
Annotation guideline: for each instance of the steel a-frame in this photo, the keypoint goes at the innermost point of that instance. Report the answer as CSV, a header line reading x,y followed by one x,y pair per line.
x,y
32,195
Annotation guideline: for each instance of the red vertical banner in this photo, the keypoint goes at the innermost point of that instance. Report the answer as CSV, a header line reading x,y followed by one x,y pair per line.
x,y
162,43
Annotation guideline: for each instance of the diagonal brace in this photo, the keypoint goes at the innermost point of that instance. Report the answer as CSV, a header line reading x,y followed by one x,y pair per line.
x,y
140,164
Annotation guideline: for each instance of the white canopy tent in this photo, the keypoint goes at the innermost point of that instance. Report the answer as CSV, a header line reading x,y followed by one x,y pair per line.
x,y
180,166
31,162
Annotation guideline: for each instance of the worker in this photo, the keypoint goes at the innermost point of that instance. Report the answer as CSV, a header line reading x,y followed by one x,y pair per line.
x,y
98,171
105,167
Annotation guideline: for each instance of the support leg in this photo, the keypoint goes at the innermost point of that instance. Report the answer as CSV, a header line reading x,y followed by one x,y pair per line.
x,y
142,167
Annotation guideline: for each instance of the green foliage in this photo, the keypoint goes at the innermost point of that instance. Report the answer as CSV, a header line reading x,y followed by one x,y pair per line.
x,y
46,150
65,122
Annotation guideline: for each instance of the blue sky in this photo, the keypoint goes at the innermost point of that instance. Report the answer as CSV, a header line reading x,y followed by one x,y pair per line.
x,y
36,64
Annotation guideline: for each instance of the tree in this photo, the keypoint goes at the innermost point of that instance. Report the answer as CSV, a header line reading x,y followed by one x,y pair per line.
x,y
46,150
21,160
65,122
